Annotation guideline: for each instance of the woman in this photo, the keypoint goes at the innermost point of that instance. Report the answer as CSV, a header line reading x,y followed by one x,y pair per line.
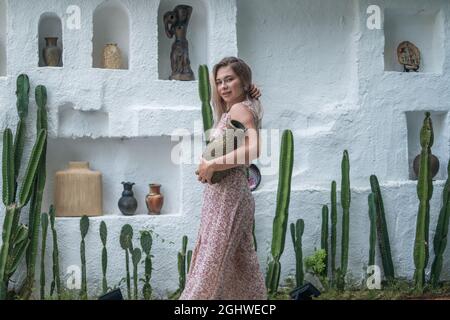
x,y
224,262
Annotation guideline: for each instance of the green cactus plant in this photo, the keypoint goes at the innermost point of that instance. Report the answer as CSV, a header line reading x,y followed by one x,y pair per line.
x,y
205,97
333,216
84,228
297,230
136,256
382,232
424,193
282,211
44,223
103,237
324,237
56,281
146,244
440,236
126,242
373,228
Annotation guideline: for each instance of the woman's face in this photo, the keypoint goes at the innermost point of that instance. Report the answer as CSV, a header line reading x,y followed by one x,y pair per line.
x,y
229,86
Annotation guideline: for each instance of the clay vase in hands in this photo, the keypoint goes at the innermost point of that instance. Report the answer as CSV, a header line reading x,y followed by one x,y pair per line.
x,y
154,199
127,203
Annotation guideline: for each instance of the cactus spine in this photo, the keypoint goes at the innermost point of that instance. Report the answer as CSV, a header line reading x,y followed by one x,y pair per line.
x,y
282,210
146,244
424,192
333,215
440,236
372,236
136,255
205,97
84,227
56,282
44,223
103,237
297,230
126,242
382,232
324,238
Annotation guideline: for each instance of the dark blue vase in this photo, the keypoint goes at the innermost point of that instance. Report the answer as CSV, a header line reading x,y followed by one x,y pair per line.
x,y
127,203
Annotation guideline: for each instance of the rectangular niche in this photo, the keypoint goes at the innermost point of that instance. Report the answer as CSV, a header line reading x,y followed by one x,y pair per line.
x,y
142,161
423,28
439,119
3,40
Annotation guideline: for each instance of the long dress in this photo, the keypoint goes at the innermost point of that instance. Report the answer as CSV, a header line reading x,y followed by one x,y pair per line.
x,y
224,264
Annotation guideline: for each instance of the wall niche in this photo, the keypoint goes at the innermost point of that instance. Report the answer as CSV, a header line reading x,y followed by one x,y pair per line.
x,y
50,36
414,120
111,26
197,37
423,28
3,40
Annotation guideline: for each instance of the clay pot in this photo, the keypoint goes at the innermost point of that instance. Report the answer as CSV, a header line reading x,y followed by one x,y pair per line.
x,y
78,191
434,163
154,199
112,57
52,54
127,203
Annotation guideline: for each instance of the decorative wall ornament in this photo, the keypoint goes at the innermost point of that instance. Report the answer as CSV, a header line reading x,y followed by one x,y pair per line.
x,y
409,56
176,23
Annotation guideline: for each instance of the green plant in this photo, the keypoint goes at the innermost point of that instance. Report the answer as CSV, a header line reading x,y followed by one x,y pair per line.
x,y
44,223
333,232
424,192
56,282
136,255
297,230
126,242
84,227
324,237
372,235
146,244
440,236
316,264
103,237
382,232
282,211
205,97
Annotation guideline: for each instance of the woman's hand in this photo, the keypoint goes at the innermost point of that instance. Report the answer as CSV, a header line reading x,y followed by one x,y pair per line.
x,y
254,92
205,171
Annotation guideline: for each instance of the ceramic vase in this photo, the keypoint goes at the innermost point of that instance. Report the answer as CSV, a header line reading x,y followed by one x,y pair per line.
x,y
154,199
112,57
127,203
434,164
51,52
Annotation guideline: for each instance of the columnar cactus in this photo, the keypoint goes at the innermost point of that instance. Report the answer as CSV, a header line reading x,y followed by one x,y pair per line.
x,y
146,244
324,238
44,223
382,232
205,97
282,210
440,236
373,228
297,230
56,282
84,227
136,255
126,242
103,237
333,215
424,192
183,260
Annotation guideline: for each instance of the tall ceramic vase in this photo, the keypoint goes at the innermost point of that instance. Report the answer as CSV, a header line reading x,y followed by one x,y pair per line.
x,y
154,199
78,191
112,57
51,52
127,203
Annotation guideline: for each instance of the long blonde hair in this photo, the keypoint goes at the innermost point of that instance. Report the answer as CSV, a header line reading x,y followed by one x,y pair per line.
x,y
244,73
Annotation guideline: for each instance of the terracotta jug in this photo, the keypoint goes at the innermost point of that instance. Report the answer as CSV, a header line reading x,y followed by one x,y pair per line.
x,y
52,54
112,57
78,191
154,199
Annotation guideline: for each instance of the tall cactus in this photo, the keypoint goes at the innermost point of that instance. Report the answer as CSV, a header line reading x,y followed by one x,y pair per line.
x,y
136,255
440,236
126,242
146,244
84,228
297,230
424,192
44,223
205,97
382,231
333,215
324,237
56,282
373,228
183,269
103,237
282,210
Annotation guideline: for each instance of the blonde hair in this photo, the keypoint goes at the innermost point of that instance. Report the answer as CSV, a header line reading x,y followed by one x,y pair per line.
x,y
243,71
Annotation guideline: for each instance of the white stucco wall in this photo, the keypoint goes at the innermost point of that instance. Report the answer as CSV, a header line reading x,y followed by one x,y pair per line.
x,y
323,74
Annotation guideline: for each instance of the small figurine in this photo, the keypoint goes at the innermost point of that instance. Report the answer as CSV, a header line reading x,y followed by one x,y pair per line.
x,y
409,56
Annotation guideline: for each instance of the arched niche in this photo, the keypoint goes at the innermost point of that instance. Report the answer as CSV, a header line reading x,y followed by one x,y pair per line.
x,y
3,26
111,25
50,26
197,36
